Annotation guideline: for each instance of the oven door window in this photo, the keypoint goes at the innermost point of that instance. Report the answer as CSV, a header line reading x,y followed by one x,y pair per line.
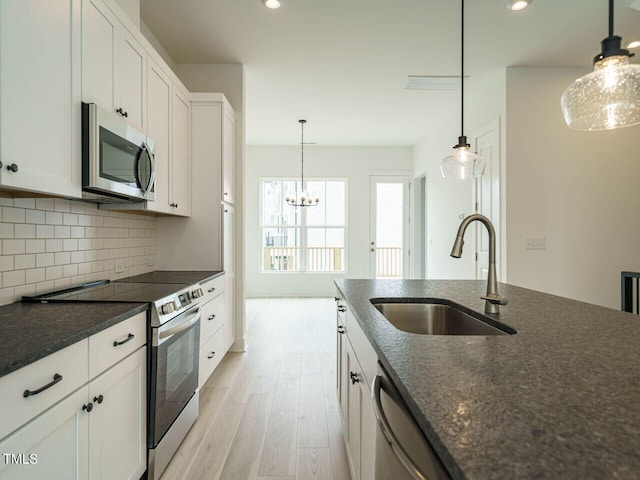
x,y
176,378
119,159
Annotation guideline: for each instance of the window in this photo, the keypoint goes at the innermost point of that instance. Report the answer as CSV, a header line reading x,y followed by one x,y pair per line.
x,y
309,239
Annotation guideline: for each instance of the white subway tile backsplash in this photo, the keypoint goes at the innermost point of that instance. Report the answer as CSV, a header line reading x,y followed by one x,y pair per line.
x,y
13,247
70,244
53,273
24,261
44,203
49,243
23,230
45,259
70,270
25,202
70,218
35,275
35,246
45,231
53,245
62,231
13,278
53,218
13,215
6,263
6,230
77,257
62,205
62,258
35,216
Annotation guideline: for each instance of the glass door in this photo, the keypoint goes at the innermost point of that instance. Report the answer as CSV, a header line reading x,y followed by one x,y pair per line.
x,y
389,226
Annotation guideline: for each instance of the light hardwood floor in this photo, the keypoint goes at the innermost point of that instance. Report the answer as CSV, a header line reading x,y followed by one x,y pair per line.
x,y
271,412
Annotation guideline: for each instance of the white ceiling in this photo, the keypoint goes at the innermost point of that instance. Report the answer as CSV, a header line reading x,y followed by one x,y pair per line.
x,y
342,64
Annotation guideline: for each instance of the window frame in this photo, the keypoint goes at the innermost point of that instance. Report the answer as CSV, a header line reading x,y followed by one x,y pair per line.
x,y
303,227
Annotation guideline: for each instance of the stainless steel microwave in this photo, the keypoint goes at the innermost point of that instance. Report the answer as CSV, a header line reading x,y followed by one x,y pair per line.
x,y
117,159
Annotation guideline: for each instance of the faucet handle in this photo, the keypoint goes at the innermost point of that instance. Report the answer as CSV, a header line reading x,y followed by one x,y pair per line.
x,y
496,299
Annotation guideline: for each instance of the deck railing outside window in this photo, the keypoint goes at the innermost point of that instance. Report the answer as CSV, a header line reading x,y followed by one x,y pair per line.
x,y
388,262
319,259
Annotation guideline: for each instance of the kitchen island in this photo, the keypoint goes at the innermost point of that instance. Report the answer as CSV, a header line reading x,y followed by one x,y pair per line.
x,y
559,399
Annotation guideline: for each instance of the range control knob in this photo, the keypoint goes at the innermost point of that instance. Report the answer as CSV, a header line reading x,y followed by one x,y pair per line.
x,y
167,308
197,293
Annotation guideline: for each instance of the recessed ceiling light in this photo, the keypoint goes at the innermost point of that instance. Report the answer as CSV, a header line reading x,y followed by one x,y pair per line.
x,y
272,3
634,43
518,4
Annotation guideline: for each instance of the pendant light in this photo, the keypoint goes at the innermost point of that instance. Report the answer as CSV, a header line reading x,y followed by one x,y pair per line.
x,y
463,163
306,199
608,97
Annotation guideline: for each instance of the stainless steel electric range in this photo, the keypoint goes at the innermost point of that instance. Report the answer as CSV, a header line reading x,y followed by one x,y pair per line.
x,y
173,340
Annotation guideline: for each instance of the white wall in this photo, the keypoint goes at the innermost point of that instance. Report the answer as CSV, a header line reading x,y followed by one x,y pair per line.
x,y
132,9
448,199
353,163
579,190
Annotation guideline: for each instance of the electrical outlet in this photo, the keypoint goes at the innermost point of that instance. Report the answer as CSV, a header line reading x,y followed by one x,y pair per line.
x,y
535,243
119,266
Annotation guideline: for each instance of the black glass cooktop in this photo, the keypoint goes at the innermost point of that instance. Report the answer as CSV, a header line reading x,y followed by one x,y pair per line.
x,y
105,291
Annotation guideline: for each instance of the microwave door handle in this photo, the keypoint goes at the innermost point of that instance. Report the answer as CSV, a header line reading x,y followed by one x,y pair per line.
x,y
383,423
152,163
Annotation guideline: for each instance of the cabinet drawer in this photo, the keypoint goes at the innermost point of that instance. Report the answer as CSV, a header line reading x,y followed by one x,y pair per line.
x,y
212,288
362,348
212,318
113,344
210,355
69,363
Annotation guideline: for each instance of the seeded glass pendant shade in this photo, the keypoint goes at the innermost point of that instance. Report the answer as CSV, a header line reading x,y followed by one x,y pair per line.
x,y
608,97
462,163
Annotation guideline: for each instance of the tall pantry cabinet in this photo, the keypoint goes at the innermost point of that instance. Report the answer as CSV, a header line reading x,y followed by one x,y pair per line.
x,y
207,238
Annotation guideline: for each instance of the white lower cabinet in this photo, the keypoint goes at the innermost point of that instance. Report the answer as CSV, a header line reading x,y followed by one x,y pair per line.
x,y
354,395
97,432
118,420
53,445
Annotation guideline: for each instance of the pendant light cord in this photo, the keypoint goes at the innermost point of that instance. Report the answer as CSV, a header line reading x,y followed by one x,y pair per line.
x,y
611,18
302,122
462,68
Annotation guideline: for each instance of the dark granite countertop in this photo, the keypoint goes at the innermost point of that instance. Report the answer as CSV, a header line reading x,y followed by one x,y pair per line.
x,y
31,331
188,277
560,399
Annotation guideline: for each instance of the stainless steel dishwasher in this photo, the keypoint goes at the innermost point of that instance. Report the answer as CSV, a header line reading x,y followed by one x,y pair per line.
x,y
402,451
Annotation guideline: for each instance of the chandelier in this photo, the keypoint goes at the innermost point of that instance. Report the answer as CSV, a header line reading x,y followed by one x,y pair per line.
x,y
306,199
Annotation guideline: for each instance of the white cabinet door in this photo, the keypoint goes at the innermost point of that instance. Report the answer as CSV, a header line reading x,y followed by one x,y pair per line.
x,y
180,154
113,65
118,423
367,434
40,120
159,129
228,259
99,46
342,370
354,401
131,71
228,156
59,440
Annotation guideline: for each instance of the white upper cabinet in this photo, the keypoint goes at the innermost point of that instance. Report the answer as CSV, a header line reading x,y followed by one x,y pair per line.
x,y
113,65
40,118
228,156
180,154
159,129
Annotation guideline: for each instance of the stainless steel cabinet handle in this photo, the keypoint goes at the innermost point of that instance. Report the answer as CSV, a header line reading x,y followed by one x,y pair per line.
x,y
391,438
56,378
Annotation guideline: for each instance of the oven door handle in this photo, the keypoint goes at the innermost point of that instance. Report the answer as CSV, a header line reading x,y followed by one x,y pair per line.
x,y
383,423
163,335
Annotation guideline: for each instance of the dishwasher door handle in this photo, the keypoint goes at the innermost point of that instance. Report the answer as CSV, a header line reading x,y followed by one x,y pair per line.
x,y
398,450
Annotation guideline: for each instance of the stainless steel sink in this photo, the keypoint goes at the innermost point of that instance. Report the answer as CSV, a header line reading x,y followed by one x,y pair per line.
x,y
437,319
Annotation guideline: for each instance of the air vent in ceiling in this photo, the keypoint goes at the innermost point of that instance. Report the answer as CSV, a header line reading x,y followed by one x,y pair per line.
x,y
432,82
